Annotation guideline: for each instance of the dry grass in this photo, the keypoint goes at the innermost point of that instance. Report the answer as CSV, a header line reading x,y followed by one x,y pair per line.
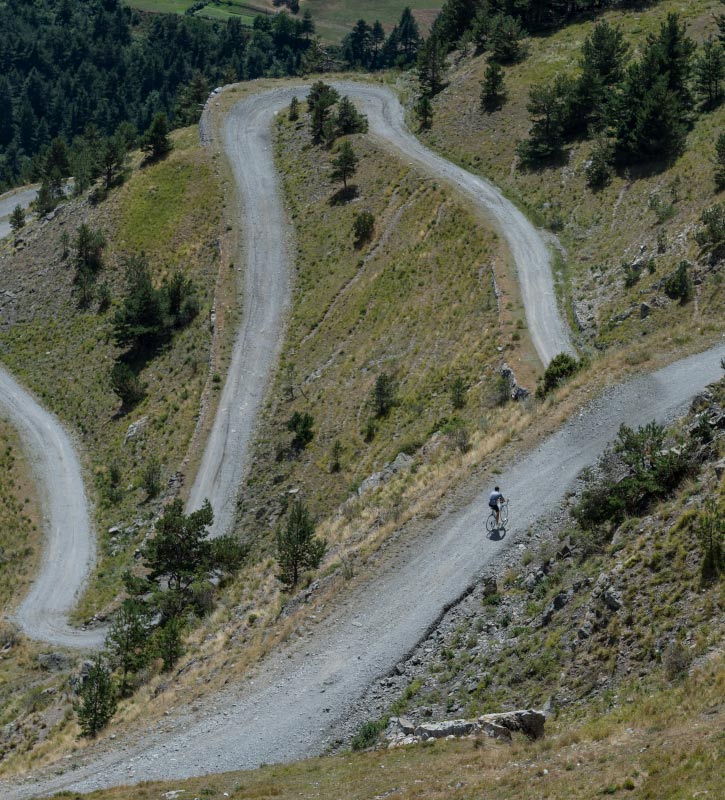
x,y
20,537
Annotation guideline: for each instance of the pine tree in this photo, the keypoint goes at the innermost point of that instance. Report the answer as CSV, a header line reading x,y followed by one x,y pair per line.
x,y
156,141
709,74
17,219
720,162
493,91
127,639
407,35
113,161
293,114
298,548
424,112
345,165
349,119
97,699
431,66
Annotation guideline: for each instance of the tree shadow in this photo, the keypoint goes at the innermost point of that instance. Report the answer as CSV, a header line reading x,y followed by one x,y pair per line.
x,y
344,195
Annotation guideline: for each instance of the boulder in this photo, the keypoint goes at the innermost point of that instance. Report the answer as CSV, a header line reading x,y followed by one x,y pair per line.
x,y
490,586
612,598
135,429
54,662
526,721
439,730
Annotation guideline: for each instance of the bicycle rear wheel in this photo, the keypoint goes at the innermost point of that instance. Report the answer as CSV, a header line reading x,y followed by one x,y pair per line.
x,y
491,522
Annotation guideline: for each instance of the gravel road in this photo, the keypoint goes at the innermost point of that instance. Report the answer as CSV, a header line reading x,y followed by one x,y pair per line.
x,y
247,139
70,548
8,201
295,703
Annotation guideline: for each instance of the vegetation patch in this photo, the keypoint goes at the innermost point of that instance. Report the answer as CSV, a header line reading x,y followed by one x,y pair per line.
x,y
20,536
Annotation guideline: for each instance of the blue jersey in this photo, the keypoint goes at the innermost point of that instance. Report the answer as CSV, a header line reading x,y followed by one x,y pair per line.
x,y
494,498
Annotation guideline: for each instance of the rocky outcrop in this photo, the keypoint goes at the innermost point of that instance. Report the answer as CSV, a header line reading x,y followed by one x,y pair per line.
x,y
517,392
402,731
402,463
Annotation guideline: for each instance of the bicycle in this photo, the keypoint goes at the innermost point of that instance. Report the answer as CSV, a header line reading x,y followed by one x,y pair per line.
x,y
503,516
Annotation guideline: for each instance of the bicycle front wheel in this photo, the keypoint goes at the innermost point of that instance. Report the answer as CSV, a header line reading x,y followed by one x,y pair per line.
x,y
504,513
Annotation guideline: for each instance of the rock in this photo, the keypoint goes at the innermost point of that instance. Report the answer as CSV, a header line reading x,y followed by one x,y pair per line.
x,y
563,552
561,600
517,392
490,586
495,731
439,730
612,598
720,468
400,668
402,463
644,310
530,582
701,401
135,429
585,631
53,661
529,722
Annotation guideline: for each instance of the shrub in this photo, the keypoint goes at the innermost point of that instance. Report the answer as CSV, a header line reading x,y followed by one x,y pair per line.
x,y
368,734
126,384
679,285
151,477
599,170
335,455
561,368
363,227
383,394
636,471
710,532
301,426
711,237
294,110
458,392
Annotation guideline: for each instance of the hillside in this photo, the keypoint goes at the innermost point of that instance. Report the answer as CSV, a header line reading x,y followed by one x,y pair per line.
x,y
427,300
640,224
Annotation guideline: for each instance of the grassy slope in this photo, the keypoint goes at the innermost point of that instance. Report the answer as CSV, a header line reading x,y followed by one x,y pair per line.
x,y
19,530
171,211
416,302
599,229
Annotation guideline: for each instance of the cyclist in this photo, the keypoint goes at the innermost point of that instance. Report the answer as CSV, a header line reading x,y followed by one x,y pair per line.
x,y
494,501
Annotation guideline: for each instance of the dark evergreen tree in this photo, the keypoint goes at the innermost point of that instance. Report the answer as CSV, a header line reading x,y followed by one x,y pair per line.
x,y
431,66
720,162
357,45
156,141
345,164
298,548
348,119
97,699
709,74
112,162
493,91
506,39
126,641
17,219
424,112
603,61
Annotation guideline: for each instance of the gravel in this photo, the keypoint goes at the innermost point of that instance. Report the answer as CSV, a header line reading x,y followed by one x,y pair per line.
x,y
70,548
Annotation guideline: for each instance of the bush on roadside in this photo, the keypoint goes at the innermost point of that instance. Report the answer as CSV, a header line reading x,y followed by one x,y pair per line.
x,y
561,368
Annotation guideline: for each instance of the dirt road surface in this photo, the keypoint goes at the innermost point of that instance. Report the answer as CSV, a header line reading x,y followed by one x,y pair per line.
x,y
295,703
247,140
8,201
70,544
